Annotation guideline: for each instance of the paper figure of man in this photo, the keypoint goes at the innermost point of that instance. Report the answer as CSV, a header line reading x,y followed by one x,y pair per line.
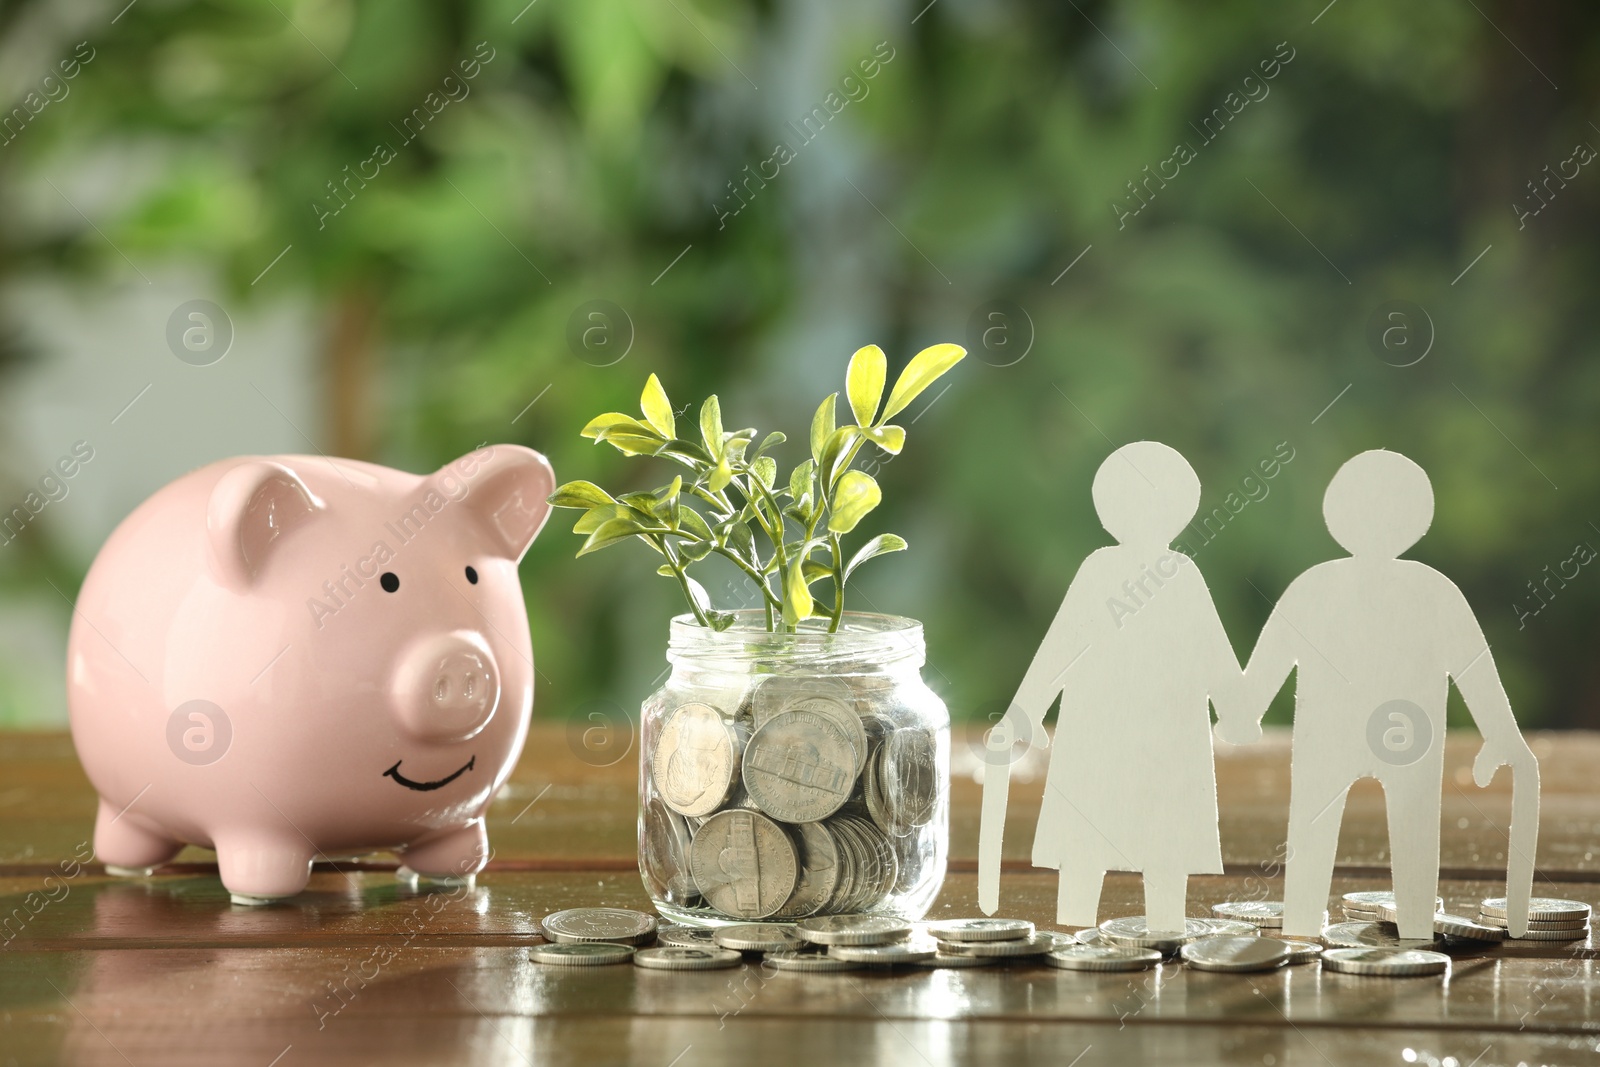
x,y
1376,640
1134,653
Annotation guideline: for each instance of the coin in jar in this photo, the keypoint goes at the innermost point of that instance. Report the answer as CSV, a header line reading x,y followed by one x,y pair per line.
x,y
818,856
694,765
664,853
908,779
799,767
620,925
743,863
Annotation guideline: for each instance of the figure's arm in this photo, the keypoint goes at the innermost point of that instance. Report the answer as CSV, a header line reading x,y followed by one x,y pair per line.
x,y
1471,667
1275,655
1068,638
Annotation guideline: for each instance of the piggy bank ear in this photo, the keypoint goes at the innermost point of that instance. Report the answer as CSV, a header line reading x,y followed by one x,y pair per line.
x,y
251,508
507,487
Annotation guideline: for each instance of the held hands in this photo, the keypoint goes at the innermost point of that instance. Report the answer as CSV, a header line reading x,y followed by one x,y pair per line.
x,y
1512,751
1237,731
1235,724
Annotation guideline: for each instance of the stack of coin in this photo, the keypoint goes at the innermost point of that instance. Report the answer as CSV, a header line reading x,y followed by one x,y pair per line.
x,y
796,796
1363,907
1132,932
588,937
1265,914
1549,919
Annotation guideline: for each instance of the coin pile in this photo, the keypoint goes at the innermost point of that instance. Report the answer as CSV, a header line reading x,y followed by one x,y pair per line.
x,y
1549,919
798,796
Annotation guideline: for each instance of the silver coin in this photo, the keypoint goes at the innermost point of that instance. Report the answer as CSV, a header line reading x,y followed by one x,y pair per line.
x,y
664,853
1385,962
835,698
1231,928
1368,935
872,788
1373,899
1090,935
944,960
908,779
581,954
808,961
1302,951
1133,933
1549,909
694,765
1236,954
843,711
687,936
980,929
1034,945
1462,927
679,958
1567,925
620,925
758,937
1263,913
744,863
911,950
818,856
1102,958
1562,934
799,767
852,929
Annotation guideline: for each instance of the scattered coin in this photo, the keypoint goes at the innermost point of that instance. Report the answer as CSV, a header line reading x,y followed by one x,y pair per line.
x,y
1371,900
581,954
1133,933
679,958
1231,928
1367,935
1385,962
1302,951
1236,954
808,961
911,950
1090,935
944,959
1036,945
687,936
758,937
1579,934
619,925
1102,958
1460,926
1263,913
1548,909
693,766
800,766
980,929
852,929
744,863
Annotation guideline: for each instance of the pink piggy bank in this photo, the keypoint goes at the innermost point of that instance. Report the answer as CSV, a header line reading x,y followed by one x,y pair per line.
x,y
281,657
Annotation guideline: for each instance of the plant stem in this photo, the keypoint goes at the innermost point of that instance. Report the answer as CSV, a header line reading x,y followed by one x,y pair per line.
x,y
683,580
838,582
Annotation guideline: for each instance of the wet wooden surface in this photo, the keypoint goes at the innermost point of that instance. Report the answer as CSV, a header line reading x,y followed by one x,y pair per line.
x,y
97,969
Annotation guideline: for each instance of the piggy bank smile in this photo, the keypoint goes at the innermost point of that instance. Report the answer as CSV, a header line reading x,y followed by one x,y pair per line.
x,y
425,787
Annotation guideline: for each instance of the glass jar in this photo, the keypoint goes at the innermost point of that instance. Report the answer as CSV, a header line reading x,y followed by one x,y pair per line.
x,y
786,775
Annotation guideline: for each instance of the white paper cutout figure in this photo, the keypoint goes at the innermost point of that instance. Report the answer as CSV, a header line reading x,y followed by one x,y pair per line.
x,y
1376,640
1134,653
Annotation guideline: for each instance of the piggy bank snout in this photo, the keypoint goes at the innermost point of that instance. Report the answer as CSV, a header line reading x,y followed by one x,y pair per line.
x,y
447,687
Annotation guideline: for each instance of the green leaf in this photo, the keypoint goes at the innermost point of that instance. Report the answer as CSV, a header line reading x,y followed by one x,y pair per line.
x,y
822,426
855,495
864,383
590,520
689,452
925,368
765,468
833,452
814,571
694,551
578,494
772,440
711,424
609,533
738,539
889,438
878,546
720,620
797,602
631,444
657,408
612,420
691,521
721,475
800,482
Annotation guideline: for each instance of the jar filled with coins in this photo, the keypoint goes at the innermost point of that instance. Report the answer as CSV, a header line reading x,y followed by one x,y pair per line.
x,y
785,775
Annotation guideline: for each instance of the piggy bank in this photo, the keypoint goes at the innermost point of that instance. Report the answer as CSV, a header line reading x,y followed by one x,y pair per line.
x,y
281,657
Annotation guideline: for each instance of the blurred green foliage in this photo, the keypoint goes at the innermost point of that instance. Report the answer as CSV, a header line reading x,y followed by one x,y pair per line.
x,y
598,150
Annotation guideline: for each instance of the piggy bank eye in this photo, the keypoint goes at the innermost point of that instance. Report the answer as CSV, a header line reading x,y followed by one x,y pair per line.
x,y
472,574
390,581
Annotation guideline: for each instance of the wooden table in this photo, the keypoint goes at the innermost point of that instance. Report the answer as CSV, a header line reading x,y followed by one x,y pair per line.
x,y
165,970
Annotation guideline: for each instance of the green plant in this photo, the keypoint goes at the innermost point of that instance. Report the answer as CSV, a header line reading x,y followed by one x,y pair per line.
x,y
785,535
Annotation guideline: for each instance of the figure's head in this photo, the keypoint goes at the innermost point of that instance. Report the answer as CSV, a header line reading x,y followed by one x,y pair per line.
x,y
1145,493
1379,504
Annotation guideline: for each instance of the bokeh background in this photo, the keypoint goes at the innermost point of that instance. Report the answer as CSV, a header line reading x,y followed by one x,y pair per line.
x,y
416,227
